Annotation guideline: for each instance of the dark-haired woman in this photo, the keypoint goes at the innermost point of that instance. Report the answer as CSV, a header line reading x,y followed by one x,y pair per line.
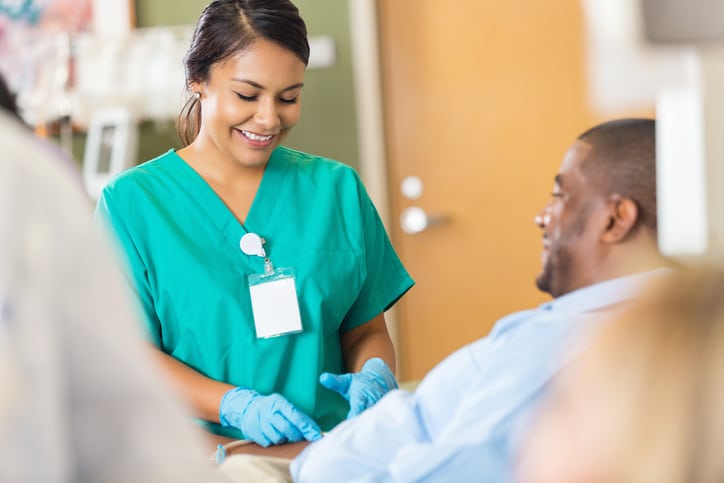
x,y
263,272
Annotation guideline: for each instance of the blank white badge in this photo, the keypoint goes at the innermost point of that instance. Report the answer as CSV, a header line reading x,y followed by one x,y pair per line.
x,y
275,307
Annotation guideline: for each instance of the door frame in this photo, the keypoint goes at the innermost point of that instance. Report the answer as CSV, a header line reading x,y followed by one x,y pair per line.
x,y
364,38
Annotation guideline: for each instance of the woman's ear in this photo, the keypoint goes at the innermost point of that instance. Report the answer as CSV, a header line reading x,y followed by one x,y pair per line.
x,y
195,88
623,215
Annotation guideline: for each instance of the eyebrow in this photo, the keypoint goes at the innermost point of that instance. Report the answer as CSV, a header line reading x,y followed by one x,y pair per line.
x,y
259,86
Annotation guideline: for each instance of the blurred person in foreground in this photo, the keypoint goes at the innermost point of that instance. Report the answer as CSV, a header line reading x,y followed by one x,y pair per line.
x,y
465,420
644,403
78,399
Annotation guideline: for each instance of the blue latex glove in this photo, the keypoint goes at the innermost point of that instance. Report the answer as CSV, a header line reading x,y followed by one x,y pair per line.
x,y
266,420
364,388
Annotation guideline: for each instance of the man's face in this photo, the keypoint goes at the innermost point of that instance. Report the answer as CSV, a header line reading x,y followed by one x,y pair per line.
x,y
570,238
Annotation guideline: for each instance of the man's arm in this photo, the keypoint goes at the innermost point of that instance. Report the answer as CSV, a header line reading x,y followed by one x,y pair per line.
x,y
367,444
362,445
461,423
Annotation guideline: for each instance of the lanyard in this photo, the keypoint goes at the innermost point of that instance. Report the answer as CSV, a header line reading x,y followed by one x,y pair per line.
x,y
253,245
274,303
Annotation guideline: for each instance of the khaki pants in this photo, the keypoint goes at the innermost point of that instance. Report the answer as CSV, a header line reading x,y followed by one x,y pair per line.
x,y
243,468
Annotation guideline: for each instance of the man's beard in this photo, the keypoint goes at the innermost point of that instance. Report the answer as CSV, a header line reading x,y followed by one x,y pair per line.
x,y
543,280
556,271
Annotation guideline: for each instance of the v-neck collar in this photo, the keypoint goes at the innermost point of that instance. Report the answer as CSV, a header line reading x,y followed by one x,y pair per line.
x,y
271,190
261,215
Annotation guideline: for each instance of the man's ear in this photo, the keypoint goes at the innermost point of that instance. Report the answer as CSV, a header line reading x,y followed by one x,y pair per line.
x,y
623,215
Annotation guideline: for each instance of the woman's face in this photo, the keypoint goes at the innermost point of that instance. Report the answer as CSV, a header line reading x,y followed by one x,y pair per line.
x,y
250,102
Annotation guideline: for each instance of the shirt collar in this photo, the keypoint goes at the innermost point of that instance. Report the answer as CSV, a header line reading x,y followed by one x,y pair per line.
x,y
603,294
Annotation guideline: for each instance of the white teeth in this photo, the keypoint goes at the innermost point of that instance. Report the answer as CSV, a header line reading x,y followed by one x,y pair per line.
x,y
256,137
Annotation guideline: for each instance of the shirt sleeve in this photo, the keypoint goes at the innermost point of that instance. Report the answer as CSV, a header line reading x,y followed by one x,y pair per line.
x,y
462,421
360,446
386,279
464,451
109,215
374,445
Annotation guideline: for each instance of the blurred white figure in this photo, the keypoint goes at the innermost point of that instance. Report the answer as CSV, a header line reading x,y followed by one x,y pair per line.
x,y
78,398
644,403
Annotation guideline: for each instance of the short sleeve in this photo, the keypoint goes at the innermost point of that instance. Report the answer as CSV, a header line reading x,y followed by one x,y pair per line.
x,y
109,215
386,279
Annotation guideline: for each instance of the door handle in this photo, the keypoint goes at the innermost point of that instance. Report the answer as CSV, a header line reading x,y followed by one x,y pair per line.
x,y
415,220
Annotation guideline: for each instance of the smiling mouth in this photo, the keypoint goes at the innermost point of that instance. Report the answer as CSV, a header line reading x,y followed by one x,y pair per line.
x,y
256,137
545,242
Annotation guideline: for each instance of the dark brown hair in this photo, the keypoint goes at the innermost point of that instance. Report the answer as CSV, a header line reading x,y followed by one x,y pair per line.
x,y
623,162
7,99
227,27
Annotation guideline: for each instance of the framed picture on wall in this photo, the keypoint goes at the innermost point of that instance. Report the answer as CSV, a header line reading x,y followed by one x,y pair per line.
x,y
110,148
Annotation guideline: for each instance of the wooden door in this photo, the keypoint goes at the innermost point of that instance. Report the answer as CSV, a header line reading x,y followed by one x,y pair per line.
x,y
482,98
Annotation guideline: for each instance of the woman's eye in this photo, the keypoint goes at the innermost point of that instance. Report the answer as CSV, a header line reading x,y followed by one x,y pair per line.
x,y
288,101
246,98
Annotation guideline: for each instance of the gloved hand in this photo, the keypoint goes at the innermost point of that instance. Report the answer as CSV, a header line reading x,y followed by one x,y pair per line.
x,y
266,420
364,388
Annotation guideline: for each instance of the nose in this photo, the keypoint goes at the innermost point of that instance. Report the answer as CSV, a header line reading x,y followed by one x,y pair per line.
x,y
267,115
542,219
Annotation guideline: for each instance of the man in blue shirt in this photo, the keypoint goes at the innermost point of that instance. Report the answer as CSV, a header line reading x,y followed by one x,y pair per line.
x,y
465,420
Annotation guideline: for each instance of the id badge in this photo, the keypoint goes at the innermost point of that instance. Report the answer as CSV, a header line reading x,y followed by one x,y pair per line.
x,y
274,303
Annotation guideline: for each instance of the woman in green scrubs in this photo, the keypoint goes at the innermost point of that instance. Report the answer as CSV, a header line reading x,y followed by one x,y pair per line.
x,y
263,272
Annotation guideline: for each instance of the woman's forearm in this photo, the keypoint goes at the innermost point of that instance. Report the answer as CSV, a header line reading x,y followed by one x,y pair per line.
x,y
201,393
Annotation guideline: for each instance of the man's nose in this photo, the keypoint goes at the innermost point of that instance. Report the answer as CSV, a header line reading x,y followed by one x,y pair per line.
x,y
542,219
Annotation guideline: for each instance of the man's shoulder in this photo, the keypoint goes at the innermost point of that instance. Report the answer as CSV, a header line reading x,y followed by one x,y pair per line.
x,y
512,321
482,349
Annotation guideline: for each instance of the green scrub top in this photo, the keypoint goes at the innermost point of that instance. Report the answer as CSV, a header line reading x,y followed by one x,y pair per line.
x,y
181,243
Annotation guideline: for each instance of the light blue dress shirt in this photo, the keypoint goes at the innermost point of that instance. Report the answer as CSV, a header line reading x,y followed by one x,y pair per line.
x,y
464,421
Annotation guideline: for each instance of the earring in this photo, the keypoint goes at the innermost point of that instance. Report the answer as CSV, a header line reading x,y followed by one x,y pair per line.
x,y
196,95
